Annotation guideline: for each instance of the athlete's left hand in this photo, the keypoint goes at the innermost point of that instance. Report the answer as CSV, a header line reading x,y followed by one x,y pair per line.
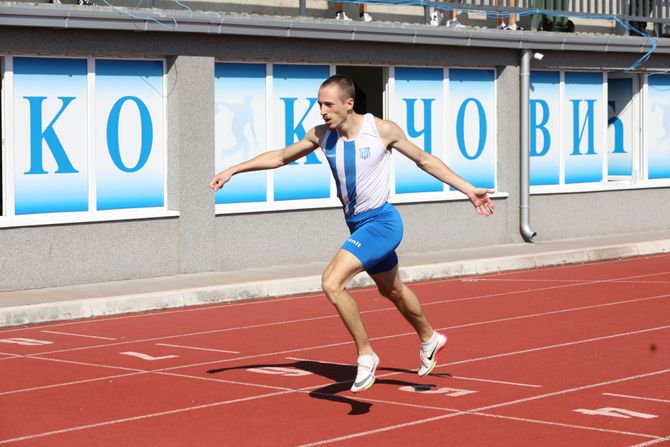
x,y
481,201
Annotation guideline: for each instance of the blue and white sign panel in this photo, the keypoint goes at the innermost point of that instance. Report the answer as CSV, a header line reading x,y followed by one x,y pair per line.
x,y
584,127
50,135
657,127
418,107
130,163
620,127
240,120
294,110
545,120
471,130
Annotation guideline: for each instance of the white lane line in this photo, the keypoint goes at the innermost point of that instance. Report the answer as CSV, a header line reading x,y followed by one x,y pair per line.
x,y
654,442
512,418
502,382
476,410
302,320
559,345
318,294
561,424
79,335
475,379
138,418
197,348
166,370
572,390
76,382
331,345
665,401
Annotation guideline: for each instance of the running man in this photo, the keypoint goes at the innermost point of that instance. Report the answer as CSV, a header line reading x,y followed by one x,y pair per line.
x,y
358,149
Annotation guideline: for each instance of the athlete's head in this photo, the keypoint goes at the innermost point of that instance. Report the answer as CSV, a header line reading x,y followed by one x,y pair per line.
x,y
336,100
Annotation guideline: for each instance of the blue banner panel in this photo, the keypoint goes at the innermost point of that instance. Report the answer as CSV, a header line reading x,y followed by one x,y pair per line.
x,y
50,135
240,122
295,110
620,126
471,135
545,120
657,120
130,152
583,129
418,109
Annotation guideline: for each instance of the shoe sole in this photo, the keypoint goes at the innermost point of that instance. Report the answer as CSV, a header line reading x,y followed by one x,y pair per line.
x,y
437,353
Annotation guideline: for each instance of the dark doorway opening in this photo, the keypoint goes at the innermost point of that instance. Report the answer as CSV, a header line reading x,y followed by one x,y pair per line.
x,y
369,83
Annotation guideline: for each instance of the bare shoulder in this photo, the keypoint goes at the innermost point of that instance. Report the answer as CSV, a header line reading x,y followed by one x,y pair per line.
x,y
388,131
316,134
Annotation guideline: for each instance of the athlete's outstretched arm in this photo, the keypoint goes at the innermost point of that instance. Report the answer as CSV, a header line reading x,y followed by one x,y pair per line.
x,y
393,136
270,160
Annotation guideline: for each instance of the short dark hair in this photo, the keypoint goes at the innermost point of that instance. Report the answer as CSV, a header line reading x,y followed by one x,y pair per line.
x,y
345,84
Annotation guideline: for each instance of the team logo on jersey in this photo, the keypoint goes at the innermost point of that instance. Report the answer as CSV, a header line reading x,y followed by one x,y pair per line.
x,y
364,152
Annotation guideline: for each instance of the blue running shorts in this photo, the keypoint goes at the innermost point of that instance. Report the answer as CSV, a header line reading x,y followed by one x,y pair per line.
x,y
375,234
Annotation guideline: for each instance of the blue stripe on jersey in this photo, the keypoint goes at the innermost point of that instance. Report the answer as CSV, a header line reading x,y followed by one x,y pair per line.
x,y
330,152
350,173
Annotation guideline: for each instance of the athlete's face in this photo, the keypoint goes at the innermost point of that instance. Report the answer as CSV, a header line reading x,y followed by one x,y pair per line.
x,y
334,108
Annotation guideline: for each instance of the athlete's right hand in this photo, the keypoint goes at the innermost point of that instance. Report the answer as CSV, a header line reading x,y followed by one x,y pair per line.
x,y
220,179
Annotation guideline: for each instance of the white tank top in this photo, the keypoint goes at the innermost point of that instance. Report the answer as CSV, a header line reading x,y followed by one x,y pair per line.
x,y
361,167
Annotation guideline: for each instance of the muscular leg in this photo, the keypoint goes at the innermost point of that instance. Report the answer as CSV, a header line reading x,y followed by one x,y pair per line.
x,y
335,278
391,287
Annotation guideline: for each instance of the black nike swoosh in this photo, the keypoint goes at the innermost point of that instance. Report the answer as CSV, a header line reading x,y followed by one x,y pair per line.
x,y
432,354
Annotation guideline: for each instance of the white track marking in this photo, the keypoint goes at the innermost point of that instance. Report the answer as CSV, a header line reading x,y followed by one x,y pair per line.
x,y
144,416
75,382
654,442
197,348
449,377
489,407
457,413
75,362
25,341
637,397
302,320
314,295
147,357
501,382
561,424
78,335
612,412
559,345
572,390
289,351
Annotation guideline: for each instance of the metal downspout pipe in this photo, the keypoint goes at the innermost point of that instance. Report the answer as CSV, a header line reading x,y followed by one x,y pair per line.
x,y
524,197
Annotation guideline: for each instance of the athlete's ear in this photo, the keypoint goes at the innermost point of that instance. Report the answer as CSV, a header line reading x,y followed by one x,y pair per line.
x,y
350,104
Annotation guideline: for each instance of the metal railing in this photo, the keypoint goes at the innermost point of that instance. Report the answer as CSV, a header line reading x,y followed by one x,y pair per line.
x,y
633,13
656,11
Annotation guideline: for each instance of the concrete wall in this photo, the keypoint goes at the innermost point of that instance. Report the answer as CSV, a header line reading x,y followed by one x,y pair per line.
x,y
199,241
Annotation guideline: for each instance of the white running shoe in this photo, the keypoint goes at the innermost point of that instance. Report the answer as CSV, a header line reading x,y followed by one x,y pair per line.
x,y
453,24
436,18
365,376
365,17
428,354
340,15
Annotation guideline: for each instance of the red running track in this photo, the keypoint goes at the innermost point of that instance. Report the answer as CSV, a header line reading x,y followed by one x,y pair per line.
x,y
565,356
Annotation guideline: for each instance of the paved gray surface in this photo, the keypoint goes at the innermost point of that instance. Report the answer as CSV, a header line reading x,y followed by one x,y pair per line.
x,y
90,300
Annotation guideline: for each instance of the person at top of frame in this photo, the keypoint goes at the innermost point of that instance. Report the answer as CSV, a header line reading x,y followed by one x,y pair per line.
x,y
358,149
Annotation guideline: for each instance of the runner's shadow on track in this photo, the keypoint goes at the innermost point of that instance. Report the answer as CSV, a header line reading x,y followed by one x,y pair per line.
x,y
342,376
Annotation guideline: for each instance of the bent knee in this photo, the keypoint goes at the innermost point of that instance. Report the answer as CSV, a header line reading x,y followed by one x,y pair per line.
x,y
392,293
331,288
